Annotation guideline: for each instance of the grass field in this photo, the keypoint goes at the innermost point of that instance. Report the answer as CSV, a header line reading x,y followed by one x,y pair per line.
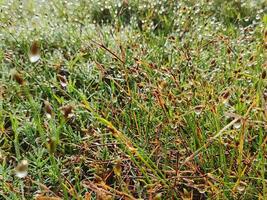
x,y
133,99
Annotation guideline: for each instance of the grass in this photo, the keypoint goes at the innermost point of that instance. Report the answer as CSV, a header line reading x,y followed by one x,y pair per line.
x,y
133,99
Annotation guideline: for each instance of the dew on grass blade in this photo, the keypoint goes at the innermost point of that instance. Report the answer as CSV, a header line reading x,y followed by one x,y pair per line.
x,y
21,170
34,54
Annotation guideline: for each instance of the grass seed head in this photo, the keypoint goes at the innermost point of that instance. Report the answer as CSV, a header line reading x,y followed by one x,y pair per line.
x,y
18,77
48,109
51,145
63,80
34,54
22,169
117,168
67,111
263,75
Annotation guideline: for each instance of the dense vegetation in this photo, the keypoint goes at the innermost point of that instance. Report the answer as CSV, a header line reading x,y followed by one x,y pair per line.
x,y
133,99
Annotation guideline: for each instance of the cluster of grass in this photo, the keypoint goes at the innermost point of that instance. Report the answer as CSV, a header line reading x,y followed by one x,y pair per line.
x,y
158,99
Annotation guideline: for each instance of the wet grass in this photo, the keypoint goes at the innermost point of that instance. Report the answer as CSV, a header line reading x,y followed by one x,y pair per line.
x,y
133,100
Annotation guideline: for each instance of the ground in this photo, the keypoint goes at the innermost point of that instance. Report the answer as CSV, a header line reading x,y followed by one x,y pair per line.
x,y
133,99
